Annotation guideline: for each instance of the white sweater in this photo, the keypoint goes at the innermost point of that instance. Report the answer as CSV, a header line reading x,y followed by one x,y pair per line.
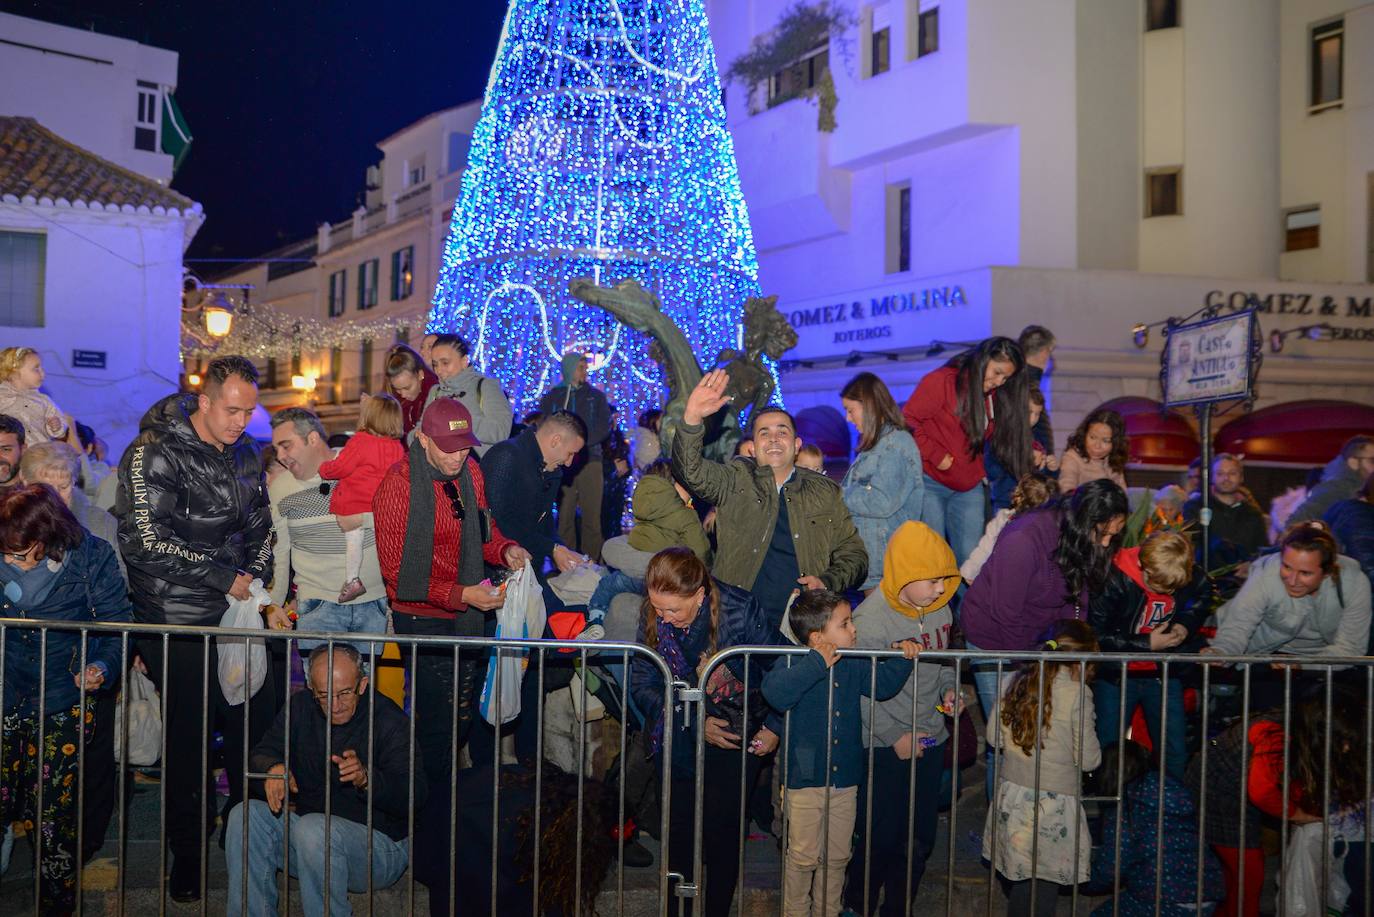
x,y
310,542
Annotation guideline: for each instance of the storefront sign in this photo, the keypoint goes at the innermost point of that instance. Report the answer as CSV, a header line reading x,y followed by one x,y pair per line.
x,y
88,359
875,321
1298,304
1209,360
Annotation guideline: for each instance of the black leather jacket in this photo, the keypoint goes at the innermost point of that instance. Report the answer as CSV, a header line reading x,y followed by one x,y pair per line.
x,y
1116,611
190,517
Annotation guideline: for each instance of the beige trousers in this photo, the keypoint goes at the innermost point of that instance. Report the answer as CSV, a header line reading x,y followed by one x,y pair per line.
x,y
804,880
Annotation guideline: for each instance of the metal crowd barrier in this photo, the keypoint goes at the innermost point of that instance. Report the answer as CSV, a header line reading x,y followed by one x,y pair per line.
x,y
675,891
1359,670
541,653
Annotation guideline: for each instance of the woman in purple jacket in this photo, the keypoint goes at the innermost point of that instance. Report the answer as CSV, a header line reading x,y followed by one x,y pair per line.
x,y
1042,570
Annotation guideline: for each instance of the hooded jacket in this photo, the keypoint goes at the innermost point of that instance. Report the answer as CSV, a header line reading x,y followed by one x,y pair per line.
x,y
1263,618
662,520
1125,612
1339,482
914,553
586,401
190,517
87,587
486,402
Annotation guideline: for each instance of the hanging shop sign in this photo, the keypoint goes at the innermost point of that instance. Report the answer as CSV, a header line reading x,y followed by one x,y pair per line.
x,y
1210,360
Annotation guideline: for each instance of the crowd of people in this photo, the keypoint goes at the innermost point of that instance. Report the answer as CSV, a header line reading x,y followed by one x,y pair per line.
x,y
955,526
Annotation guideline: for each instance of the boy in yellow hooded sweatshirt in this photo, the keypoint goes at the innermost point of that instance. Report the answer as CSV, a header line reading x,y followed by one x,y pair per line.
x,y
910,603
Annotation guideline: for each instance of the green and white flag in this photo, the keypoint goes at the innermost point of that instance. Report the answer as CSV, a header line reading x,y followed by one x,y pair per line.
x,y
176,135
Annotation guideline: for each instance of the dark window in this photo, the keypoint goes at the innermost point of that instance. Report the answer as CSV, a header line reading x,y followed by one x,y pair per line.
x,y
928,32
1163,192
904,230
365,370
402,273
1302,229
337,286
23,260
403,335
881,51
1161,14
145,125
1328,52
367,284
295,364
336,374
271,373
799,78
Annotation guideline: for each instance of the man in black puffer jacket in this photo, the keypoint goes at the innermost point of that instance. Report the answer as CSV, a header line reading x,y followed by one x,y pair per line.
x,y
194,527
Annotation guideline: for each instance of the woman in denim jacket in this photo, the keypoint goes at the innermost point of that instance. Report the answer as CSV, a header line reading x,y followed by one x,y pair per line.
x,y
883,488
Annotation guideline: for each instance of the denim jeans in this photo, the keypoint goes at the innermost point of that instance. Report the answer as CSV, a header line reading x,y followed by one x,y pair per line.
x,y
348,843
985,681
322,617
958,517
1146,693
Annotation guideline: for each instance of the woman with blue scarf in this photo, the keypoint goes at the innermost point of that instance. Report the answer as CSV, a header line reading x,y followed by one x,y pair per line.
x,y
688,617
52,570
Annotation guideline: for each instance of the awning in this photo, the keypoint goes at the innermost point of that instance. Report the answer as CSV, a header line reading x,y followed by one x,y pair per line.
x,y
1156,438
1297,432
176,134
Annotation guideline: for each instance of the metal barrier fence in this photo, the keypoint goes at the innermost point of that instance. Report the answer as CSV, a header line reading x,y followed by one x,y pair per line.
x,y
1355,674
676,890
544,656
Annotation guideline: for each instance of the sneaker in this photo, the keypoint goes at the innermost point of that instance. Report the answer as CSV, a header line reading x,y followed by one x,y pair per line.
x,y
351,590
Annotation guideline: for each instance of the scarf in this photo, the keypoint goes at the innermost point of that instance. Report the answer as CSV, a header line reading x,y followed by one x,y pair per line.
x,y
670,648
417,555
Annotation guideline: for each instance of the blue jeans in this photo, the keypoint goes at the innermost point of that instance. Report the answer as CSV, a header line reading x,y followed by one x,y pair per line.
x,y
958,517
319,616
347,864
985,681
1146,693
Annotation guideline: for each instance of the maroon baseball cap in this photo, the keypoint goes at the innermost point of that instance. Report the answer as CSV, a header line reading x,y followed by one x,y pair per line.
x,y
449,424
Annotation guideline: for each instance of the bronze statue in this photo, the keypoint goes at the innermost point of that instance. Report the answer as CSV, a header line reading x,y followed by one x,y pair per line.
x,y
766,333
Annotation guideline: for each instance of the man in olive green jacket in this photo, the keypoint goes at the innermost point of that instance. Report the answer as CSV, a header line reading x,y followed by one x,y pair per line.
x,y
778,527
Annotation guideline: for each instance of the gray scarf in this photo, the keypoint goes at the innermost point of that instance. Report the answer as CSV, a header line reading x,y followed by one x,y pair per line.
x,y
417,555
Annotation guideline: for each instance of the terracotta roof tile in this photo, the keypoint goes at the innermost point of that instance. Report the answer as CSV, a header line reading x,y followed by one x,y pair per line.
x,y
35,162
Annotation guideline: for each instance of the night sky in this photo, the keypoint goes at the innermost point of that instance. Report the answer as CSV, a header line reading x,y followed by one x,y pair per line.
x,y
286,100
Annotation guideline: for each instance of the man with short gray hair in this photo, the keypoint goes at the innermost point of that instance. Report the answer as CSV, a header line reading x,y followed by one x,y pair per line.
x,y
310,541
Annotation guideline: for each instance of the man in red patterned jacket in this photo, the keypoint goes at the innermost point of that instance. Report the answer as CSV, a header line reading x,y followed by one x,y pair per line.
x,y
435,535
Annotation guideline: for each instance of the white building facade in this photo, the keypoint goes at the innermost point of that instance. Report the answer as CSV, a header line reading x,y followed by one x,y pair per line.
x,y
91,238
1082,165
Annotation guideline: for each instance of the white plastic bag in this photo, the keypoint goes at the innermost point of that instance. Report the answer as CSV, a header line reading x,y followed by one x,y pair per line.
x,y
139,702
521,617
1300,880
239,658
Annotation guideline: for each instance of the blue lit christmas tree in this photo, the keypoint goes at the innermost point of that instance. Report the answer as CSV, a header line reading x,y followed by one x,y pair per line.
x,y
601,152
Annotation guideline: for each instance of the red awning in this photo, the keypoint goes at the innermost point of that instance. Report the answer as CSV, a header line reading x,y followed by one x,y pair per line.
x,y
1301,432
1156,438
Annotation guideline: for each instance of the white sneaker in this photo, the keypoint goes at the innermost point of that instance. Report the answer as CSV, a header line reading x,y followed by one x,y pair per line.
x,y
592,632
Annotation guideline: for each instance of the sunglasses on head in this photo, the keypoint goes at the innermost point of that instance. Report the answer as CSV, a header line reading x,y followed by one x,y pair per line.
x,y
451,491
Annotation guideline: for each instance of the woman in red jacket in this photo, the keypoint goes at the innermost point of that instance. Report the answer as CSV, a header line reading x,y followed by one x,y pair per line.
x,y
980,396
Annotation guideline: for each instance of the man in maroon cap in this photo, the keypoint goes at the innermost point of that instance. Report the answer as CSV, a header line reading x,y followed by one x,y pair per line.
x,y
435,535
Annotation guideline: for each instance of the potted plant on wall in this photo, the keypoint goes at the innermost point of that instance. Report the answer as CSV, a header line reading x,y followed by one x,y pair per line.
x,y
793,60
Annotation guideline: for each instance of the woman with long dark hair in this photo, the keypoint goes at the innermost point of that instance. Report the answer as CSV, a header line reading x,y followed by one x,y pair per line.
x,y
979,397
884,487
688,617
1043,569
52,570
1097,449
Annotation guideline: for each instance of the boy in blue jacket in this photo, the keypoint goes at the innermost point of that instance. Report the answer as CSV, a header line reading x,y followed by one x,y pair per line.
x,y
825,747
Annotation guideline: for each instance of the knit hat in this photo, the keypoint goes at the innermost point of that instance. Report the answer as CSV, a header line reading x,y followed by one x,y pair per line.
x,y
914,553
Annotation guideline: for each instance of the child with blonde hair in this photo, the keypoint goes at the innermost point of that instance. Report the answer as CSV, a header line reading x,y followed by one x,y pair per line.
x,y
359,469
1040,841
21,377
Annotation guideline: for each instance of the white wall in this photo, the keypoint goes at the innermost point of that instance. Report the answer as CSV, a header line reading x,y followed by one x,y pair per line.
x,y
88,93
113,283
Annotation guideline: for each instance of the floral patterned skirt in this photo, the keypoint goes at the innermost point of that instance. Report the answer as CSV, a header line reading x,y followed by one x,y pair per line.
x,y
58,768
1012,817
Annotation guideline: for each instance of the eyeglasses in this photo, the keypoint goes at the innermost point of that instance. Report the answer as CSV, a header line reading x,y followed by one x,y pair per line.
x,y
341,694
451,491
20,555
